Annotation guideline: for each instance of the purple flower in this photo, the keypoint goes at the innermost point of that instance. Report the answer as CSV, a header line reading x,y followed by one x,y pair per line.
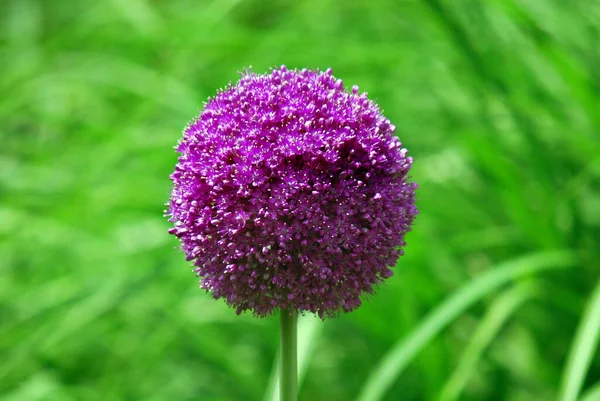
x,y
291,192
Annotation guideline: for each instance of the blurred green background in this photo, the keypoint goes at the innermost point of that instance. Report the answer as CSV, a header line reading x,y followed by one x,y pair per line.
x,y
497,297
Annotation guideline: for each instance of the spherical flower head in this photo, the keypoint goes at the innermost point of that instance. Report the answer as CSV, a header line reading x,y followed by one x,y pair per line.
x,y
291,193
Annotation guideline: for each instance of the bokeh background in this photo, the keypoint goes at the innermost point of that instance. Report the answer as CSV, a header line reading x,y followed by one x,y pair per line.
x,y
497,297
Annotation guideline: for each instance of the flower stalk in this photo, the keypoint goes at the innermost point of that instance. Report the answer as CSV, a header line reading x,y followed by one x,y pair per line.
x,y
289,356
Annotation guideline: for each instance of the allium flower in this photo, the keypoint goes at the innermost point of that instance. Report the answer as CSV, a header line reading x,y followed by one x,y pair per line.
x,y
291,192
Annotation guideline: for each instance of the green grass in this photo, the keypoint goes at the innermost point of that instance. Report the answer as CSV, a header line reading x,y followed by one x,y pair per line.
x,y
583,349
498,102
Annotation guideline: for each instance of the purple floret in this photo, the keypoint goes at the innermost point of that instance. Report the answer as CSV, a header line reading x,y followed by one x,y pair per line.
x,y
291,192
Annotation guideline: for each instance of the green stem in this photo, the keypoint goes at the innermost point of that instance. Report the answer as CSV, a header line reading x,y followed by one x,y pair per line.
x,y
289,356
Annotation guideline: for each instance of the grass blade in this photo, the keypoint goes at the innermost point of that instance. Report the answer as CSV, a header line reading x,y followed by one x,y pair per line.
x,y
392,364
494,320
582,349
593,394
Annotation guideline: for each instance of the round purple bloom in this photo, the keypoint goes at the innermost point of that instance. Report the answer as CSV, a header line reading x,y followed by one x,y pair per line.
x,y
291,192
